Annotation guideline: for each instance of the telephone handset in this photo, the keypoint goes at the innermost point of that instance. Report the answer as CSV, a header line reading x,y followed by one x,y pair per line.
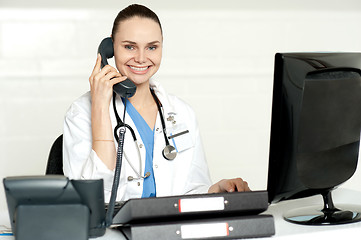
x,y
125,88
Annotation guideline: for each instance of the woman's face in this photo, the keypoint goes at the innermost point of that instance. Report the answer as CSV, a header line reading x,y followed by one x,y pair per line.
x,y
138,48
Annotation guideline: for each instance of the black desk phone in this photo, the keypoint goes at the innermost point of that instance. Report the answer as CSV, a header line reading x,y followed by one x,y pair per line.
x,y
125,88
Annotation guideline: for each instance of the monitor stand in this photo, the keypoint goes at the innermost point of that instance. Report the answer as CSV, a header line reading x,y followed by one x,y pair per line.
x,y
329,215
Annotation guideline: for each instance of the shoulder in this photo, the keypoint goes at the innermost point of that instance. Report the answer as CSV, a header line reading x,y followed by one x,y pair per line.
x,y
170,102
180,105
81,105
181,111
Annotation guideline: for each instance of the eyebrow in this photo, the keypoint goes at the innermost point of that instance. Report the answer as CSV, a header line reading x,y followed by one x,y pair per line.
x,y
134,43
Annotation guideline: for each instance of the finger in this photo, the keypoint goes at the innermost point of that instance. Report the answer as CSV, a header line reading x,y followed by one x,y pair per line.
x,y
110,75
96,69
97,66
242,186
106,73
108,70
118,80
247,188
229,186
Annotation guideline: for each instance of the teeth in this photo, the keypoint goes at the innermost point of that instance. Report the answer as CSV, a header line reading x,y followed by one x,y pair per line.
x,y
139,68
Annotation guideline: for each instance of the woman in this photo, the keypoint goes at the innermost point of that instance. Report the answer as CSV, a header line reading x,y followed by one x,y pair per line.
x,y
89,146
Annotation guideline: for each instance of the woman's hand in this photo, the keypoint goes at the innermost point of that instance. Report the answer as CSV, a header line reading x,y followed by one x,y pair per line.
x,y
102,81
229,185
101,87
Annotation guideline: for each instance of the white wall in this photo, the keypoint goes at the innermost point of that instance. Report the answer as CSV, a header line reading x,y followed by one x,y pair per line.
x,y
218,57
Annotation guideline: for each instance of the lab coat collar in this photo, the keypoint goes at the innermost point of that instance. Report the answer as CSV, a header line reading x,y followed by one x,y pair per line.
x,y
168,108
163,97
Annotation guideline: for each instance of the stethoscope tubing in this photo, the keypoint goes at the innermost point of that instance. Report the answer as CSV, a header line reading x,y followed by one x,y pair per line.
x,y
168,151
160,110
140,162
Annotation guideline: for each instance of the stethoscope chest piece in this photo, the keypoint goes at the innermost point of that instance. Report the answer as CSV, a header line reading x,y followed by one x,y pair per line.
x,y
169,152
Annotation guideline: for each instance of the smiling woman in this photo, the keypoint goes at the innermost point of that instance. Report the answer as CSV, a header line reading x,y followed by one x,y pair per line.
x,y
138,49
89,146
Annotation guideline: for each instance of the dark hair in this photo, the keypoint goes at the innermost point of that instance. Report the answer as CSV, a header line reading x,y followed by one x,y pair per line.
x,y
134,10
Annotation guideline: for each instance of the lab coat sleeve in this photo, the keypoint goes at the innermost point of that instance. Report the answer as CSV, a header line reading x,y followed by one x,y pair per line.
x,y
79,160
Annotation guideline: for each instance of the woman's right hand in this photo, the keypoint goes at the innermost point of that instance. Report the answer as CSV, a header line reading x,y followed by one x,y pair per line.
x,y
101,87
102,82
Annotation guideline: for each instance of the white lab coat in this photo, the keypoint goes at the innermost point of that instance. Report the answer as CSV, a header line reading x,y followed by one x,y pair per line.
x,y
186,174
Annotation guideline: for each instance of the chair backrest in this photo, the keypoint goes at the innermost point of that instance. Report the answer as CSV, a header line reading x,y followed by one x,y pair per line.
x,y
55,160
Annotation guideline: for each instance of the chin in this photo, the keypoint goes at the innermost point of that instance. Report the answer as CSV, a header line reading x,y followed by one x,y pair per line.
x,y
139,80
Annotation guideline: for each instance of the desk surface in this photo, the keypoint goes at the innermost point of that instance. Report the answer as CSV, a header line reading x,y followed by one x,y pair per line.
x,y
284,230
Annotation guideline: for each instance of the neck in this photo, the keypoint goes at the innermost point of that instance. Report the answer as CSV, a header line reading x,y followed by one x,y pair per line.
x,y
143,97
144,103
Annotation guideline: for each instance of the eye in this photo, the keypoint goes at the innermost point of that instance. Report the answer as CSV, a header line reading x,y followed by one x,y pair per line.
x,y
152,48
129,47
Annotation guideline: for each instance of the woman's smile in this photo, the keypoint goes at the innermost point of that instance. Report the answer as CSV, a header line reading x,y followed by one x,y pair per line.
x,y
139,69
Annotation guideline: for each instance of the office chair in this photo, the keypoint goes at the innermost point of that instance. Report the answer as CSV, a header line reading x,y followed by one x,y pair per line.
x,y
55,160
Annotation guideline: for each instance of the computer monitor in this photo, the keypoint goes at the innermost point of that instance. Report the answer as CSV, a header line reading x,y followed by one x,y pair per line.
x,y
315,131
51,203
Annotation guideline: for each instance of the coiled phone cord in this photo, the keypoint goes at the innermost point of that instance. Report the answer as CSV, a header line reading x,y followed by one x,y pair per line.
x,y
110,211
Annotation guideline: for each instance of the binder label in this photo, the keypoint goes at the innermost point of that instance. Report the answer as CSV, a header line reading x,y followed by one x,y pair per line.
x,y
201,204
206,230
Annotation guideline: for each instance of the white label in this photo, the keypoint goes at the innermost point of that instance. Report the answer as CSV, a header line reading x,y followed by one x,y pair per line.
x,y
204,230
180,137
201,204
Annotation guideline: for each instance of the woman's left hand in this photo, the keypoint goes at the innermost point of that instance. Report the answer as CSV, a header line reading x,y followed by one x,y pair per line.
x,y
229,185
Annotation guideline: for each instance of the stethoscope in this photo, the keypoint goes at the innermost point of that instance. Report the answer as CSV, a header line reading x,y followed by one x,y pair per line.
x,y
169,152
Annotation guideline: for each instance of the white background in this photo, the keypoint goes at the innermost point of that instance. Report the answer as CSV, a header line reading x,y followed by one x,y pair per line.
x,y
218,56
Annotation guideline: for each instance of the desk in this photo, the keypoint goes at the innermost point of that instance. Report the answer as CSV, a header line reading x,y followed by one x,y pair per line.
x,y
284,230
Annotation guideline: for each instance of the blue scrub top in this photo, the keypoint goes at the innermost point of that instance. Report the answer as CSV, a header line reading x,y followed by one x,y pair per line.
x,y
147,135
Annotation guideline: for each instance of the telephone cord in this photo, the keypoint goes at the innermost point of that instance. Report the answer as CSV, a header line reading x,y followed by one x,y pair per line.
x,y
113,196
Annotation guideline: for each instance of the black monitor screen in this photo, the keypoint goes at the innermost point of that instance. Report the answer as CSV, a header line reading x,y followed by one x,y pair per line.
x,y
316,123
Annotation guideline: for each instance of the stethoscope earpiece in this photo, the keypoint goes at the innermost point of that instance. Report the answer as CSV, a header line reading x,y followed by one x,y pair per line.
x,y
169,152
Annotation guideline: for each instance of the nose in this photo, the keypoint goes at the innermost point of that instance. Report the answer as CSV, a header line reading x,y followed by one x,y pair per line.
x,y
140,56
